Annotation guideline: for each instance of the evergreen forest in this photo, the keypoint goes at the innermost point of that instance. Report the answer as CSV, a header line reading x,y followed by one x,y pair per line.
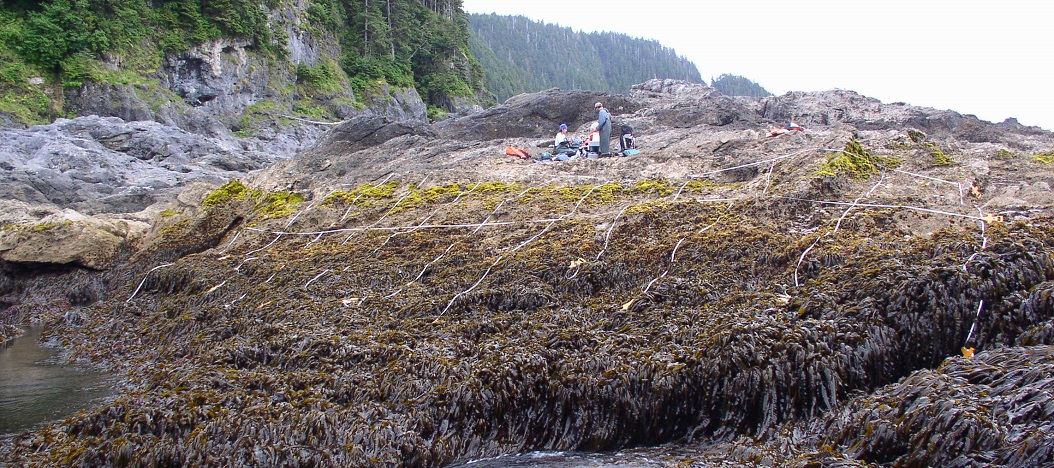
x,y
735,85
521,55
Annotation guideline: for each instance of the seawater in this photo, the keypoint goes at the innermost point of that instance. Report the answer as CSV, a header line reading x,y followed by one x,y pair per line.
x,y
36,388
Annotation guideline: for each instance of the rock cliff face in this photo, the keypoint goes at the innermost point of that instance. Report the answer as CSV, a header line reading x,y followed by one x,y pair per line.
x,y
405,293
108,165
224,88
227,87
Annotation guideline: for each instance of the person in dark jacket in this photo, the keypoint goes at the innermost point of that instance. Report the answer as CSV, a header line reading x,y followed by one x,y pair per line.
x,y
604,125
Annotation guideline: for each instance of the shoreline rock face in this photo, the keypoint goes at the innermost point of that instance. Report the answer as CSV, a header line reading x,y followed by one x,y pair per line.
x,y
724,295
107,165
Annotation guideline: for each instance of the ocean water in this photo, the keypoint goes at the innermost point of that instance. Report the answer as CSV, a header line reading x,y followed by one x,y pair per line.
x,y
36,388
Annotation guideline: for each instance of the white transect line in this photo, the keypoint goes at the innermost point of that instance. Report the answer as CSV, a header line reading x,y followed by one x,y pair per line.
x,y
551,221
984,245
144,280
451,246
394,206
836,227
514,249
878,205
984,239
673,254
957,184
974,325
433,213
327,270
316,122
611,228
357,197
758,163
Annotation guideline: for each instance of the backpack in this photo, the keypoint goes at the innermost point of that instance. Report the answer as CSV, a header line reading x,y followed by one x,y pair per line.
x,y
565,148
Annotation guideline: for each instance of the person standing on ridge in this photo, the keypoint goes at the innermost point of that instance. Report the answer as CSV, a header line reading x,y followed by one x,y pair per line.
x,y
604,125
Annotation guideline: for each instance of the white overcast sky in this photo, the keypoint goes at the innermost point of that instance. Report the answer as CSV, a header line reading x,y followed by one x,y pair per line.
x,y
992,59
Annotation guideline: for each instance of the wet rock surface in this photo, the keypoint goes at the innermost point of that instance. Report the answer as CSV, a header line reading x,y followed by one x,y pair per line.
x,y
724,298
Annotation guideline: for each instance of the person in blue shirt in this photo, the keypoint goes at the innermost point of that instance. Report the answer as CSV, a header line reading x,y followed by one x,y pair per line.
x,y
604,125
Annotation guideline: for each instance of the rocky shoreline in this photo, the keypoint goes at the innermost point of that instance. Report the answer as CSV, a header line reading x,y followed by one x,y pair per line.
x,y
725,299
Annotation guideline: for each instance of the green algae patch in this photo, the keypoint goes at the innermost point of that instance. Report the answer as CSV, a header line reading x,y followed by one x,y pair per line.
x,y
38,227
175,228
602,194
496,187
280,204
233,190
1005,154
364,194
662,188
938,155
419,197
699,186
856,162
1044,158
49,226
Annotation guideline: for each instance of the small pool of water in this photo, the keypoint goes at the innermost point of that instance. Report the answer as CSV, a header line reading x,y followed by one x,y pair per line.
x,y
35,388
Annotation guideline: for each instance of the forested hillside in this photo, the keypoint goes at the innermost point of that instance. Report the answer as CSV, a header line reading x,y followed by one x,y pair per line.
x,y
521,55
735,85
49,49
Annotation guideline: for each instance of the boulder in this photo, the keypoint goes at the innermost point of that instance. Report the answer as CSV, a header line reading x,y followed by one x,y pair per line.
x,y
69,239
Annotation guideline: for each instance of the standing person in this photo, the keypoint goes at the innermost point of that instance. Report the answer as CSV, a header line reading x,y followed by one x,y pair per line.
x,y
604,125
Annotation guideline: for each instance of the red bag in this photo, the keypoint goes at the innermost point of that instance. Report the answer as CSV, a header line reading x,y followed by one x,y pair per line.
x,y
518,152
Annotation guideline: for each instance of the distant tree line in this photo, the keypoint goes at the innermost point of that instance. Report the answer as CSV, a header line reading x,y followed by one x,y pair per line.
x,y
521,55
735,85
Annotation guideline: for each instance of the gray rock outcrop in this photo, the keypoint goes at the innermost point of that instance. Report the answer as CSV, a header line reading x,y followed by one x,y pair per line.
x,y
107,165
534,115
684,130
95,165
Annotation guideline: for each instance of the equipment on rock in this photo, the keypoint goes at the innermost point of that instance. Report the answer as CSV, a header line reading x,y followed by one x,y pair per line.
x,y
626,141
565,148
791,127
518,152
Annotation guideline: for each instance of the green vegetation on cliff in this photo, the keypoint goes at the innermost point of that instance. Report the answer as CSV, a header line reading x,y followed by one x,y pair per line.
x,y
53,46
